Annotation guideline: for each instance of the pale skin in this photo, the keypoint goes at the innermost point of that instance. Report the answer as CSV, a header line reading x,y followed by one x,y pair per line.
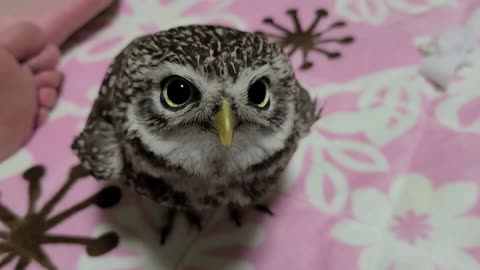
x,y
29,83
29,54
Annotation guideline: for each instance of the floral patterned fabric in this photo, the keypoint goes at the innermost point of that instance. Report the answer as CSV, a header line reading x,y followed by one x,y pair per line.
x,y
387,180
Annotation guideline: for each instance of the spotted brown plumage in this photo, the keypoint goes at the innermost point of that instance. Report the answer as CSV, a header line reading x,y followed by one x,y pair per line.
x,y
219,144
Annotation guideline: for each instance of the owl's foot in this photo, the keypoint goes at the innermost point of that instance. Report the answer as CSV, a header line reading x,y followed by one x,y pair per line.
x,y
236,216
263,209
192,217
167,226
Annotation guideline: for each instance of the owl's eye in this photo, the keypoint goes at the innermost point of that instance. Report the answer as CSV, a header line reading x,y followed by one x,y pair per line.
x,y
259,93
176,92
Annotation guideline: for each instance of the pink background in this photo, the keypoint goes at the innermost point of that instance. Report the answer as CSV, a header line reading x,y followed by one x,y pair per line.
x,y
387,180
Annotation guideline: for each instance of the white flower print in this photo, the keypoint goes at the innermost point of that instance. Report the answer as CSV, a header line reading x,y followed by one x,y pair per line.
x,y
146,16
474,21
376,11
388,106
319,172
414,226
15,164
65,108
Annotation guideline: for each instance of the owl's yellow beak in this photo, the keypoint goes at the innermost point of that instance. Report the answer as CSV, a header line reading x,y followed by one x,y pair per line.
x,y
223,123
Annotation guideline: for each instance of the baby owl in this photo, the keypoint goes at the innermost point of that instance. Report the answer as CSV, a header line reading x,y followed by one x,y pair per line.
x,y
197,117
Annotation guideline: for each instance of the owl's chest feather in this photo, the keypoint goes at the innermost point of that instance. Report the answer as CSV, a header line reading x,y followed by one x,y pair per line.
x,y
209,176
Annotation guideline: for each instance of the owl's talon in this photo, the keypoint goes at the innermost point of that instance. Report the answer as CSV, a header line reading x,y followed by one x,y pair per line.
x,y
166,228
194,219
164,233
235,216
264,209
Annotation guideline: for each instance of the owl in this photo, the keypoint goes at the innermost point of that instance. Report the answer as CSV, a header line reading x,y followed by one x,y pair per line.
x,y
197,117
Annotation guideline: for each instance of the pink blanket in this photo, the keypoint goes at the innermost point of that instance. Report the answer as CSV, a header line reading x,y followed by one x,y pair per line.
x,y
388,179
58,18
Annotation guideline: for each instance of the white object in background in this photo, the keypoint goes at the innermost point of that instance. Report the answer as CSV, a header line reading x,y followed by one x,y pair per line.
x,y
446,53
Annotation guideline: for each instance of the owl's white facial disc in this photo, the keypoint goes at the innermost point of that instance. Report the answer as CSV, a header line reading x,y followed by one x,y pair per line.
x,y
186,138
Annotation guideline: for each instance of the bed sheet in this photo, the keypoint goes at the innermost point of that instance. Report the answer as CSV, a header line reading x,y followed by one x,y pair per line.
x,y
388,179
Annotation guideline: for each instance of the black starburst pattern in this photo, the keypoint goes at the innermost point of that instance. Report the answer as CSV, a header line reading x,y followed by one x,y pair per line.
x,y
24,236
309,39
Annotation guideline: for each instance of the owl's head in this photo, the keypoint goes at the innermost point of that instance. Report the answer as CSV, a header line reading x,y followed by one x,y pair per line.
x,y
208,90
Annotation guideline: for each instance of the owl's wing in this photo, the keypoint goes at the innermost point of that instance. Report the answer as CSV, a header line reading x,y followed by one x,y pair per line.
x,y
97,146
306,111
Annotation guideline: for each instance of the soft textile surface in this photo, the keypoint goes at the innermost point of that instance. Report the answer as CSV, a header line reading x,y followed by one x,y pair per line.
x,y
388,179
57,18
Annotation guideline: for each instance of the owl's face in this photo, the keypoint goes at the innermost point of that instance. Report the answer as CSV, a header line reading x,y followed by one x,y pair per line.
x,y
229,98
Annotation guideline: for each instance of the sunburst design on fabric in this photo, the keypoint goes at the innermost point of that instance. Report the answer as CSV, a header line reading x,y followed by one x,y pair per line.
x,y
23,237
309,39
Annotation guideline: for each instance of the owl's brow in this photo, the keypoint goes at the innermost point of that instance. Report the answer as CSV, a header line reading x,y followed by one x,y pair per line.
x,y
185,71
